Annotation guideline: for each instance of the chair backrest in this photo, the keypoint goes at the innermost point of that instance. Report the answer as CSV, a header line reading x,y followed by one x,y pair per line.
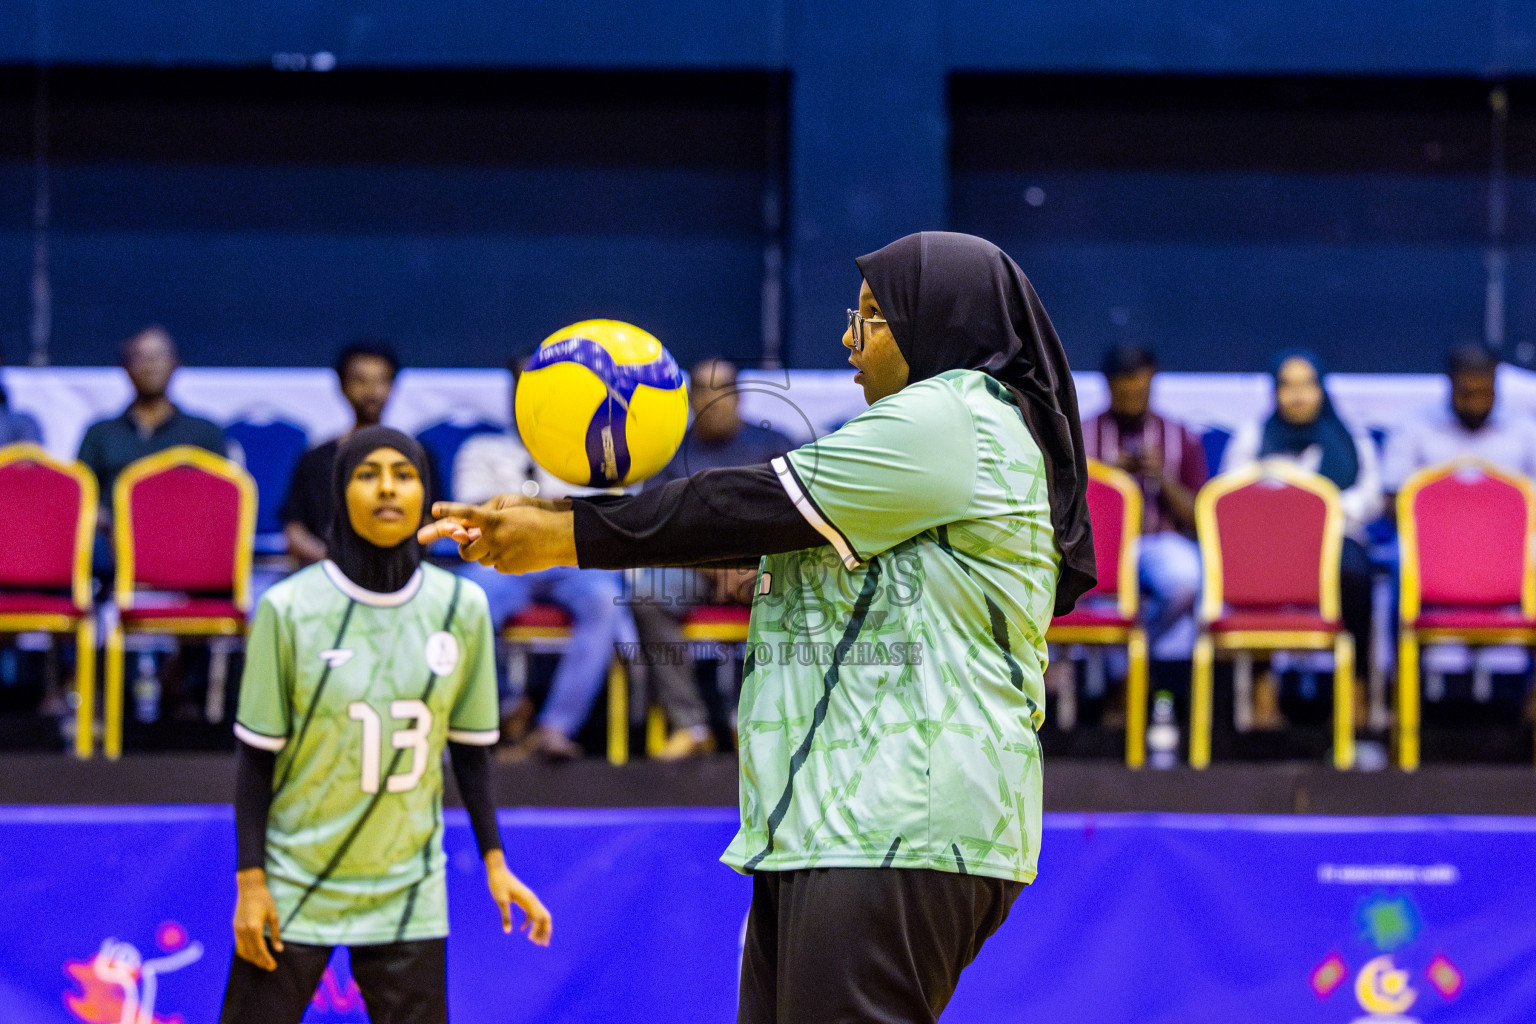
x,y
271,451
1271,536
184,519
1465,532
1115,509
40,498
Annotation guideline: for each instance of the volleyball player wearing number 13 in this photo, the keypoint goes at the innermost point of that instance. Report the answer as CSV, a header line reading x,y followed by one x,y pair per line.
x,y
358,671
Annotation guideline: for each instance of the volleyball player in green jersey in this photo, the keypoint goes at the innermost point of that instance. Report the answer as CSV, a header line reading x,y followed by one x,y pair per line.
x,y
911,562
358,671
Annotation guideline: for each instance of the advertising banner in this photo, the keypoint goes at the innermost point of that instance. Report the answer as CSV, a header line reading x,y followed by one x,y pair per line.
x,y
121,915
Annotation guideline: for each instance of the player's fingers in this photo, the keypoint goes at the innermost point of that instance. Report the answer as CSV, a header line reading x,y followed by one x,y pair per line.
x,y
242,950
543,926
276,925
536,922
474,550
468,514
437,530
249,946
264,958
504,904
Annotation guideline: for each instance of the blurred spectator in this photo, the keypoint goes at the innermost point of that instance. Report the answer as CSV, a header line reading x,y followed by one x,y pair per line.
x,y
718,438
366,371
1474,426
1305,429
492,464
151,423
1168,462
16,426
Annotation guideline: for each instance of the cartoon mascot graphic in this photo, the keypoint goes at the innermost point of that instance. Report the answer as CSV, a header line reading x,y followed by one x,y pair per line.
x,y
119,985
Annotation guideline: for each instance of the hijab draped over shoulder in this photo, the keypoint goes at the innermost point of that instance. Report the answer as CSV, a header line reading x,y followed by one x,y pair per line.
x,y
955,301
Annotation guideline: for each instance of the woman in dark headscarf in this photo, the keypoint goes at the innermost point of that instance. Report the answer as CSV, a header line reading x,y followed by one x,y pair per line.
x,y
338,815
1305,428
911,562
382,570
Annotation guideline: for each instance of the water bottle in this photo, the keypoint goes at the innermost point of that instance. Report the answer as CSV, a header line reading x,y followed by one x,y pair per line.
x,y
1163,733
146,690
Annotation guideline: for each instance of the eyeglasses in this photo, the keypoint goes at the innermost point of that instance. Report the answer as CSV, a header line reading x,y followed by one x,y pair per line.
x,y
856,323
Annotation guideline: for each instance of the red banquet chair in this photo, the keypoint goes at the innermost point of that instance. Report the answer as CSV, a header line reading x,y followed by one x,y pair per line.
x,y
1115,509
1465,534
546,629
1271,536
48,520
184,522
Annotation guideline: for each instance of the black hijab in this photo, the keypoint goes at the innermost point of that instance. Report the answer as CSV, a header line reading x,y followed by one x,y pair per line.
x,y
381,570
956,301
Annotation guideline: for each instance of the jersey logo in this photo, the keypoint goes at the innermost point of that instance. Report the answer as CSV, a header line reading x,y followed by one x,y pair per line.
x,y
337,656
442,653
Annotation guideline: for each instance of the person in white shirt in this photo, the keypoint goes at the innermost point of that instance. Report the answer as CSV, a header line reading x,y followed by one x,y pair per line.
x,y
1305,428
1473,425
491,464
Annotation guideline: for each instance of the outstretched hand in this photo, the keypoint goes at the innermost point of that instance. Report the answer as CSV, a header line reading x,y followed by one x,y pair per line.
x,y
507,889
511,533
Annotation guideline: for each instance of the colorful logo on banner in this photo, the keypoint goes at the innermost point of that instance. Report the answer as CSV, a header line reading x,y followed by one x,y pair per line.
x,y
120,985
1385,983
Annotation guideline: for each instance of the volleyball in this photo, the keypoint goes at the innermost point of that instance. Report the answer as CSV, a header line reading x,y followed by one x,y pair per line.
x,y
602,403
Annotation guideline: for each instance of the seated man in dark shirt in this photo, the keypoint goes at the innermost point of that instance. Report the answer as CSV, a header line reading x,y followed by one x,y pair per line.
x,y
151,423
366,371
718,438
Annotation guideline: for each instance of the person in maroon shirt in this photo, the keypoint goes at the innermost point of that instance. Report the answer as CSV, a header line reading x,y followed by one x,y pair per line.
x,y
1168,461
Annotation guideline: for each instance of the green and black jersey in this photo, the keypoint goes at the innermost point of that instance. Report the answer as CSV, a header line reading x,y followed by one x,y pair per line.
x,y
357,693
894,680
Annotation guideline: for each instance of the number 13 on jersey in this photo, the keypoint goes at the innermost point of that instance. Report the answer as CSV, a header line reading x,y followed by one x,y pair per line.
x,y
414,738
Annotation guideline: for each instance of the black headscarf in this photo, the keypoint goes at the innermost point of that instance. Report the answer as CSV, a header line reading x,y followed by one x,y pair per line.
x,y
958,302
381,570
1340,461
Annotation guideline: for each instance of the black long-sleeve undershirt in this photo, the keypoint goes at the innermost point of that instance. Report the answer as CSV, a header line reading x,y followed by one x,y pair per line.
x,y
255,769
720,517
472,771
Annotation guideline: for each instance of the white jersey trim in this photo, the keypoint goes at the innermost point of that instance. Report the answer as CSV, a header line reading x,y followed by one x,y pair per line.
x,y
473,738
812,514
369,597
259,741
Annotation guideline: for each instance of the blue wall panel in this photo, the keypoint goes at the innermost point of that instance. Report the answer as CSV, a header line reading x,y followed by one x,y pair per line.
x,y
465,217
1227,36
295,298
394,33
252,251
1353,36
1216,272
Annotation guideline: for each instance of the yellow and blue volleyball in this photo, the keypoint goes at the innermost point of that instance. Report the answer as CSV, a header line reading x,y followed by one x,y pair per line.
x,y
602,403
